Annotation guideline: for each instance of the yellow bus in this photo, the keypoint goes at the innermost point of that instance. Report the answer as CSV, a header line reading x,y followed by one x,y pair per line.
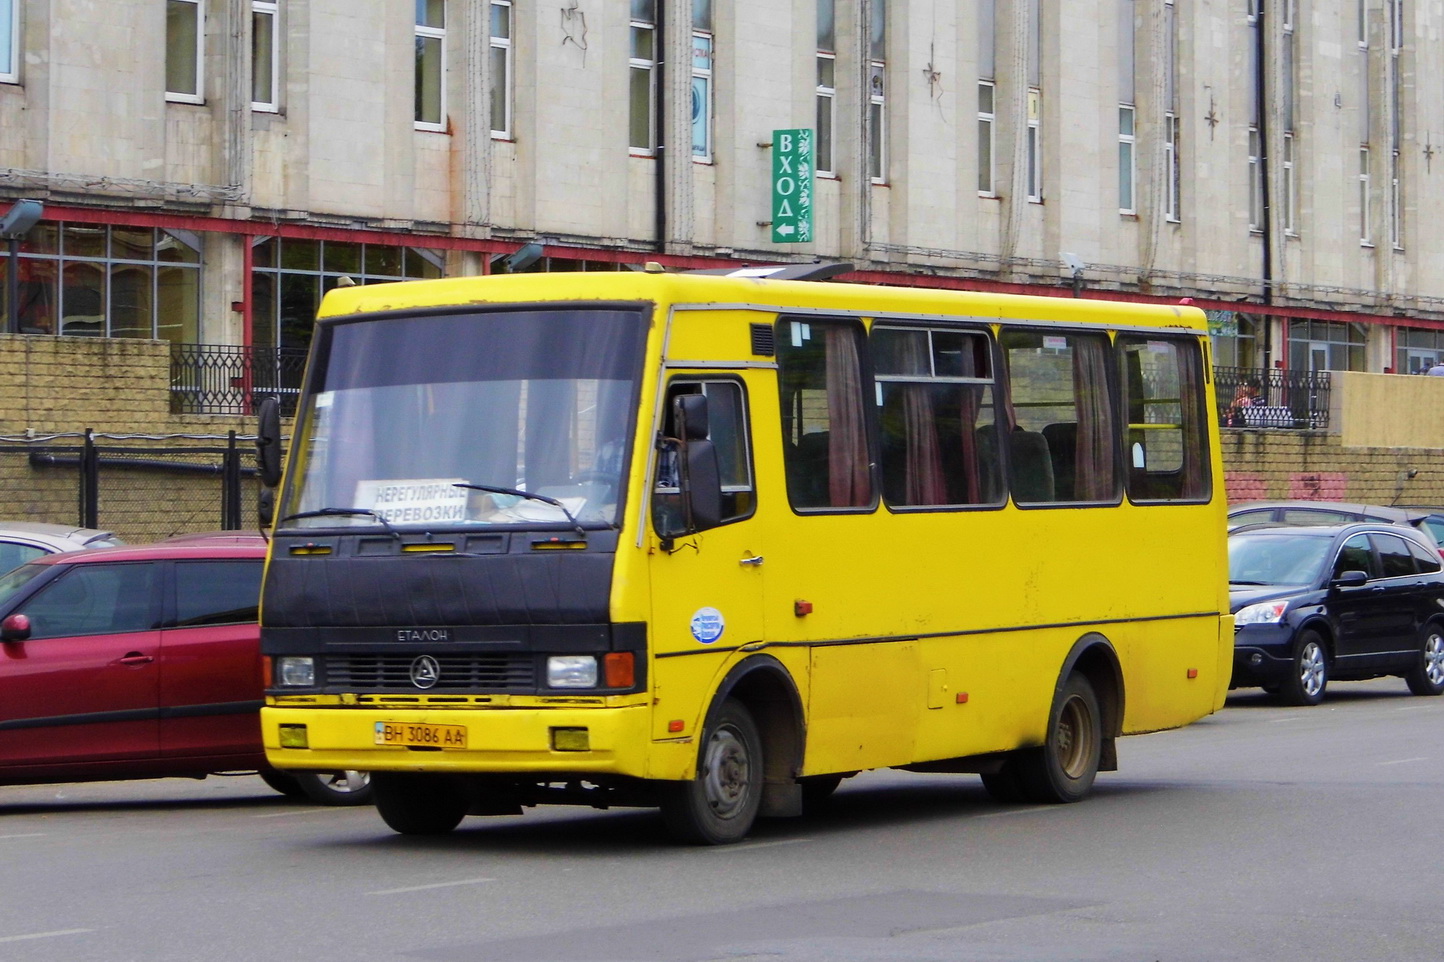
x,y
714,543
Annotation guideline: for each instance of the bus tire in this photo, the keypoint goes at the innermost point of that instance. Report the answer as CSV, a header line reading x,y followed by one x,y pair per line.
x,y
419,804
1064,768
719,805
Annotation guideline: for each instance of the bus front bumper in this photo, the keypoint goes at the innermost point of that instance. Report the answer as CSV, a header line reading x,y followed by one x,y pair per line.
x,y
521,741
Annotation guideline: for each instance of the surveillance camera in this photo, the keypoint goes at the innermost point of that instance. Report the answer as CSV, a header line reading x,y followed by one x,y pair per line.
x,y
1074,262
22,216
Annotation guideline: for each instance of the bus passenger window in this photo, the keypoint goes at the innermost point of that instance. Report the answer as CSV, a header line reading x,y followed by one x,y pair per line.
x,y
727,423
824,423
1163,388
935,400
1059,418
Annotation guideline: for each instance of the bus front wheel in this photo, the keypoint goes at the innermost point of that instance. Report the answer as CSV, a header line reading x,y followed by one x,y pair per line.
x,y
1064,768
719,805
419,804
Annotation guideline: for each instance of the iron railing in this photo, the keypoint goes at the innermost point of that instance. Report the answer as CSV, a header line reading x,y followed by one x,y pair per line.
x,y
1258,397
232,379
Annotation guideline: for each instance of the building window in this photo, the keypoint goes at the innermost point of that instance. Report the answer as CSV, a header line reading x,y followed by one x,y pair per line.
x,y
501,80
1126,144
877,94
1235,339
643,68
1365,237
1418,349
265,55
986,117
1288,187
702,80
85,280
9,41
1035,145
1396,203
184,47
826,84
1255,181
430,54
1326,346
290,275
1173,185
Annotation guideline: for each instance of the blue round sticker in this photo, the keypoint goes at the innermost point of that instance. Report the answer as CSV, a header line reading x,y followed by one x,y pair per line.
x,y
708,625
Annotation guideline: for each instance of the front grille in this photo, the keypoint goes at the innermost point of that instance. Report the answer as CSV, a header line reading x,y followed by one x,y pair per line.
x,y
473,673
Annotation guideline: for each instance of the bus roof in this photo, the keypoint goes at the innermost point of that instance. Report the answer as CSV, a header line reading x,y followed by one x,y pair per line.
x,y
734,291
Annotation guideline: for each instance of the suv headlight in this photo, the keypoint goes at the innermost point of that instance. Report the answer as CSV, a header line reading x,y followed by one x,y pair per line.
x,y
572,671
1266,613
293,671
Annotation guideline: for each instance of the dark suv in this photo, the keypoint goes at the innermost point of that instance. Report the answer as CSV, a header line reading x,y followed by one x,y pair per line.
x,y
1341,602
141,662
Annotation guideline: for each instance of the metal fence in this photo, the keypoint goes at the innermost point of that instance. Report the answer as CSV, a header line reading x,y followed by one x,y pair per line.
x,y
232,379
1259,397
142,488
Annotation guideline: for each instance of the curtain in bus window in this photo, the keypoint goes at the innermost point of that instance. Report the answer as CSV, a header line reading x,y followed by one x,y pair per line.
x,y
848,470
922,460
1166,446
1095,454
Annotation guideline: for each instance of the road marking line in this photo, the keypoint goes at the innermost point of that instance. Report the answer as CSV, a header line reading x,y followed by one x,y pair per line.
x,y
43,935
1405,761
749,846
1024,811
433,885
28,835
319,810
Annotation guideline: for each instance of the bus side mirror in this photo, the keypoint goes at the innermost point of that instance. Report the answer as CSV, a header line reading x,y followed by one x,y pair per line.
x,y
701,479
268,458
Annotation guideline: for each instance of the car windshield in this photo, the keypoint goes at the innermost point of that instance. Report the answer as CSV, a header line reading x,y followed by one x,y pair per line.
x,y
1276,559
409,418
13,581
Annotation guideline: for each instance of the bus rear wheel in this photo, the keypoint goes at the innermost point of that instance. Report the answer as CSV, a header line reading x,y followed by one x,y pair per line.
x,y
720,804
419,804
1064,768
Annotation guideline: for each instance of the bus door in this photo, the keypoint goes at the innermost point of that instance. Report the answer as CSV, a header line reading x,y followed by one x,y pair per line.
x,y
706,587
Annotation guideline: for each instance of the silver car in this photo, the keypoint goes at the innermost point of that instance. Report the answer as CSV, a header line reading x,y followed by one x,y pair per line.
x,y
20,541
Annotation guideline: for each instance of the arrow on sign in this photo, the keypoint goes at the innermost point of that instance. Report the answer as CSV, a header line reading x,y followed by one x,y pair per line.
x,y
786,229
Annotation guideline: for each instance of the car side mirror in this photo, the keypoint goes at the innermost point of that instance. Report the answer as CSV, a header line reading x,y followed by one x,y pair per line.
x,y
15,628
1350,579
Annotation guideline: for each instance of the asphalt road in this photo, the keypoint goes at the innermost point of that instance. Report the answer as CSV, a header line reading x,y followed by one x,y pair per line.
x,y
1262,832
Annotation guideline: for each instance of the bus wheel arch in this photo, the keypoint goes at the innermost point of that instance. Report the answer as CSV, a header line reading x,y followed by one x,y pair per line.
x,y
756,707
1094,657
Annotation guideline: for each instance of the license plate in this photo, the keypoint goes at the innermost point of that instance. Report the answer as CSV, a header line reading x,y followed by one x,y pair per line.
x,y
420,736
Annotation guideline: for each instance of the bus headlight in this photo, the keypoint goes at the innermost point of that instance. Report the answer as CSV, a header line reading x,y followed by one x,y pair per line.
x,y
572,671
1267,613
294,671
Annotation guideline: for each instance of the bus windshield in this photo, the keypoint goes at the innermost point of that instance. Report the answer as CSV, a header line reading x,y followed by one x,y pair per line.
x,y
433,407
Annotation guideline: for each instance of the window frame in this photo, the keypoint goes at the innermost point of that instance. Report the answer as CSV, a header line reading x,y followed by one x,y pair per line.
x,y
749,460
1366,235
1127,160
703,76
199,74
10,10
506,47
269,9
991,383
424,32
1034,149
988,121
1193,415
636,65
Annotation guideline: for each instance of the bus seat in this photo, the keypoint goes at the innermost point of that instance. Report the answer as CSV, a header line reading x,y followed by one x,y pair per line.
x,y
1062,438
1032,468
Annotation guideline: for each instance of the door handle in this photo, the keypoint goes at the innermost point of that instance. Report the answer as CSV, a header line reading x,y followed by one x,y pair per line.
x,y
136,658
754,560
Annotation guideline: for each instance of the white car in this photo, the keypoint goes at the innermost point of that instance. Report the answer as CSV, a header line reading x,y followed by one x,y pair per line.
x,y
20,541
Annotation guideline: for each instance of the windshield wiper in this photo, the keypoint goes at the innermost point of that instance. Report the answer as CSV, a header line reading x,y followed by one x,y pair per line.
x,y
517,492
340,512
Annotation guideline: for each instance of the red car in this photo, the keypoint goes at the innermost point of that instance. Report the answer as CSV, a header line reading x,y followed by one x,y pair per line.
x,y
141,662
